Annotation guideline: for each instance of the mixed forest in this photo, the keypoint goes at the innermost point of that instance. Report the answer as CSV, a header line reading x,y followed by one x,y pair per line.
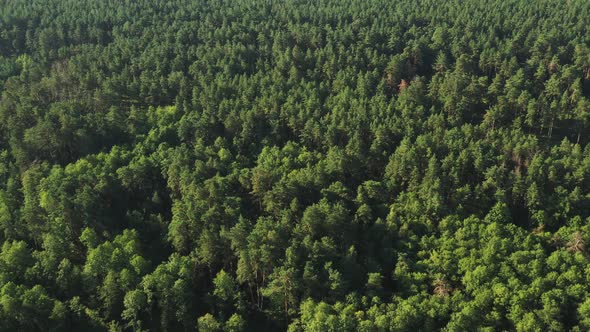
x,y
297,165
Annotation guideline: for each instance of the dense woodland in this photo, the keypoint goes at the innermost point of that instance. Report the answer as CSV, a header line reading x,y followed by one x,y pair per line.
x,y
326,165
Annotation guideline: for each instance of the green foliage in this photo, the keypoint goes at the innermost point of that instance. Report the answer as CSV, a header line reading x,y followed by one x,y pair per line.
x,y
306,166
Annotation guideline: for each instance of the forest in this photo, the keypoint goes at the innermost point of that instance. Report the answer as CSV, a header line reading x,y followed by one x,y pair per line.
x,y
296,165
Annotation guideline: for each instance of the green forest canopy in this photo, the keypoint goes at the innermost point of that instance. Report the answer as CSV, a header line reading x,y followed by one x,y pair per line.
x,y
249,165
